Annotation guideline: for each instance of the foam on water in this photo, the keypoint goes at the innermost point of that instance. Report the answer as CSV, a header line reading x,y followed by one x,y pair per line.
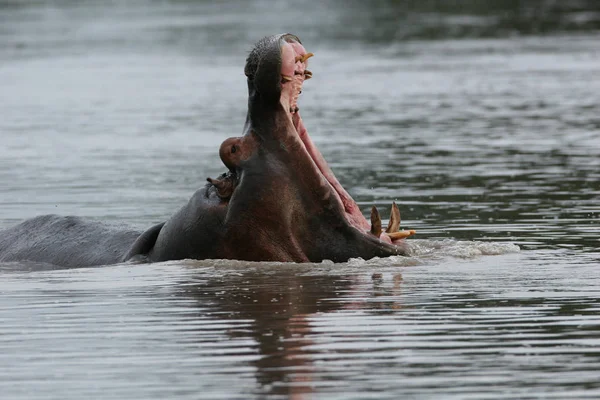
x,y
460,248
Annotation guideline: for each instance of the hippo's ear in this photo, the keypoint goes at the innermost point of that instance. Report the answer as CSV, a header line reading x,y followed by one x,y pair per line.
x,y
144,243
263,67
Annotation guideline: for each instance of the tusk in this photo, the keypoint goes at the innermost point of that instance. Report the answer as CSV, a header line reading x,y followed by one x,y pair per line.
x,y
375,222
286,78
307,74
401,234
303,58
394,224
307,56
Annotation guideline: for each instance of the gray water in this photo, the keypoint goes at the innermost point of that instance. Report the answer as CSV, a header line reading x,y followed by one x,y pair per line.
x,y
483,124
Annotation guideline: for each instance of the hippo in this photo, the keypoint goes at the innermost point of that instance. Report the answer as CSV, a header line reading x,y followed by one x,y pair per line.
x,y
278,200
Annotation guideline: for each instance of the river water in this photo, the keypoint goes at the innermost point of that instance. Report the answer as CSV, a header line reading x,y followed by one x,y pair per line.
x,y
483,125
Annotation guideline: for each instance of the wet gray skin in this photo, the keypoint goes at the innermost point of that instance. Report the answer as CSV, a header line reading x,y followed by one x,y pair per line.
x,y
274,203
281,207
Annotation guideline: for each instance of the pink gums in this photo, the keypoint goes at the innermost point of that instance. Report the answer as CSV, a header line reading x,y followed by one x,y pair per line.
x,y
289,97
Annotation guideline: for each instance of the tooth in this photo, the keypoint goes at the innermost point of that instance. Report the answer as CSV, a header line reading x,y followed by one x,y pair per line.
x,y
307,56
303,58
375,222
394,224
307,75
401,234
286,78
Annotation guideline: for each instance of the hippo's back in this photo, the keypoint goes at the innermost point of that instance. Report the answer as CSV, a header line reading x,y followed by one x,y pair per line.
x,y
65,241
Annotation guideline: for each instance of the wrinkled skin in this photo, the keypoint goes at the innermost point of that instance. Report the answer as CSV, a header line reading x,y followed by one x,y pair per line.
x,y
278,201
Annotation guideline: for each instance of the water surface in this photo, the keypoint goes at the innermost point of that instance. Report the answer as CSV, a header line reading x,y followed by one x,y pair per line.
x,y
482,125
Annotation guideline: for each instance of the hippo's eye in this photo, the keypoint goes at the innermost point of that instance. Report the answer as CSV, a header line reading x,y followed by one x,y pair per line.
x,y
233,149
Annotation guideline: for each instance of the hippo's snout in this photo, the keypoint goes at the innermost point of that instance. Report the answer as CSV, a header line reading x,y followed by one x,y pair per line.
x,y
264,66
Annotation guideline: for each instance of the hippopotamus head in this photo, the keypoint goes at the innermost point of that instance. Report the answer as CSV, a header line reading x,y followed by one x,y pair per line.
x,y
280,200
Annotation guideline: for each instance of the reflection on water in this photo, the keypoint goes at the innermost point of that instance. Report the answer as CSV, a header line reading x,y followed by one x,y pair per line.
x,y
489,144
278,319
239,330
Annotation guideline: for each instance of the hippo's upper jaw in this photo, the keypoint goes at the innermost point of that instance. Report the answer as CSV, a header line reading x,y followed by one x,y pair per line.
x,y
282,200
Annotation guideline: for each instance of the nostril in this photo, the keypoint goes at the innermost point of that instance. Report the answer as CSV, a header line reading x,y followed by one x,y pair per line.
x,y
233,149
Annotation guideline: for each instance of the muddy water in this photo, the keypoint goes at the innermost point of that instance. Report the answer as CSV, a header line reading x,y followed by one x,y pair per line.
x,y
486,133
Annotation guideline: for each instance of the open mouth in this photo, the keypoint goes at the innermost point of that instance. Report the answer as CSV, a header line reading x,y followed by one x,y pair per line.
x,y
276,71
294,72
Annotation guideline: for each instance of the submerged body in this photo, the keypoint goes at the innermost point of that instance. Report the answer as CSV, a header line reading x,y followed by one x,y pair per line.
x,y
278,201
65,241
